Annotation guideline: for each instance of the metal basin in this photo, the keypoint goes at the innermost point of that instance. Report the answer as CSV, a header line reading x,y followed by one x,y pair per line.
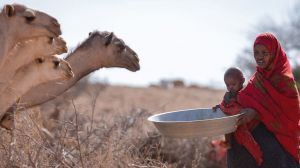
x,y
191,123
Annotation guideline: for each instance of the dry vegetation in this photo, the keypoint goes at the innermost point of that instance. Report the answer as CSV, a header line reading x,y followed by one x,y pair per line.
x,y
97,125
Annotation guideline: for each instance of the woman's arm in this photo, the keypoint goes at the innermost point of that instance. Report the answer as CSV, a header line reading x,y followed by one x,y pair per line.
x,y
249,115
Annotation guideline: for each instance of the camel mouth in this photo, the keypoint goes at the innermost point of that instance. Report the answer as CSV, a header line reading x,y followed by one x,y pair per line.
x,y
69,75
130,63
68,72
65,67
59,43
134,64
136,67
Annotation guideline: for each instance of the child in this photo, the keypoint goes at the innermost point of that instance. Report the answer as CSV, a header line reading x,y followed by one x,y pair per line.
x,y
234,80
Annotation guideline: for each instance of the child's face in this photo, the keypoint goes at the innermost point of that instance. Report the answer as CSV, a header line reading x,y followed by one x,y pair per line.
x,y
233,83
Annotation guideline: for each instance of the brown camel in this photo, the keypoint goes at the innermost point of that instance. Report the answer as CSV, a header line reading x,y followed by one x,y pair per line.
x,y
25,52
19,23
99,50
37,72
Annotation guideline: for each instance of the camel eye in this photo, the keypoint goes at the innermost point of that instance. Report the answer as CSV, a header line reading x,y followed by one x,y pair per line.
x,y
30,18
39,60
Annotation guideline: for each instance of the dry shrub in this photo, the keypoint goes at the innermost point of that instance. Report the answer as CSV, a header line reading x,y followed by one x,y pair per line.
x,y
100,129
28,144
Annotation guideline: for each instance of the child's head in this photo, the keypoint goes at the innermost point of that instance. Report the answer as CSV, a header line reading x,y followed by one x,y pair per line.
x,y
234,79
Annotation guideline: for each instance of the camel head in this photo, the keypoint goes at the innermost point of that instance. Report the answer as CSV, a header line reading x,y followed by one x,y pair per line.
x,y
20,23
28,50
45,46
52,68
110,51
41,70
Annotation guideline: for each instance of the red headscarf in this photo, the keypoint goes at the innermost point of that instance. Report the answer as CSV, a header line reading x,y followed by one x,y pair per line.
x,y
272,92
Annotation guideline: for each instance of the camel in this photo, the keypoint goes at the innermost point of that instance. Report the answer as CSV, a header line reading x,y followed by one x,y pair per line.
x,y
25,52
37,72
19,23
99,50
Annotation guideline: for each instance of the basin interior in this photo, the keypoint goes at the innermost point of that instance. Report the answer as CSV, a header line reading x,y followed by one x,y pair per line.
x,y
187,115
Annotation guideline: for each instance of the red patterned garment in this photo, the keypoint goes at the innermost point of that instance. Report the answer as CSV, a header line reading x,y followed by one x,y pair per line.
x,y
242,134
272,92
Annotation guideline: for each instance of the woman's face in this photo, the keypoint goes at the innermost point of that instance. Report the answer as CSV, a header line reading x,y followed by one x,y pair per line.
x,y
262,56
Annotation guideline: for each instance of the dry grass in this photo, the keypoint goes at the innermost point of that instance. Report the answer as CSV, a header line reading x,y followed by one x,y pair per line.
x,y
94,125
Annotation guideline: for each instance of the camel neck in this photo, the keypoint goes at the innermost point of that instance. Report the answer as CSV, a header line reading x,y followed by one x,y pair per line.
x,y
7,98
11,93
21,82
80,63
5,42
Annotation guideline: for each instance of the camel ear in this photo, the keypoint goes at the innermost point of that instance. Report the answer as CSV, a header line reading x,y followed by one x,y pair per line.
x,y
9,10
109,38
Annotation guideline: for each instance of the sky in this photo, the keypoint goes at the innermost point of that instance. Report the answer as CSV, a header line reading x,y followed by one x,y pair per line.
x,y
192,40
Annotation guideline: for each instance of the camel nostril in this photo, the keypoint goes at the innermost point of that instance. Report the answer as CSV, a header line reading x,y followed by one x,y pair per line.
x,y
51,39
137,58
56,63
55,22
65,49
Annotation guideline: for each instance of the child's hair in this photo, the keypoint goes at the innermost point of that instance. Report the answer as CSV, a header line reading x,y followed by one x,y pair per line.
x,y
234,72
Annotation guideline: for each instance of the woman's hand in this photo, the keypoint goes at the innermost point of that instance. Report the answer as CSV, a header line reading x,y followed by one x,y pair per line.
x,y
249,114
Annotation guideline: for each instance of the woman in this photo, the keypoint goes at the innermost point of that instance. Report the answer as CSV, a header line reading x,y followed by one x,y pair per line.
x,y
272,112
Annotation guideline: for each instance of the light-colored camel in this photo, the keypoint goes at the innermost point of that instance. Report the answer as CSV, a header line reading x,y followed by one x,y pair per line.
x,y
25,52
37,72
19,23
99,50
